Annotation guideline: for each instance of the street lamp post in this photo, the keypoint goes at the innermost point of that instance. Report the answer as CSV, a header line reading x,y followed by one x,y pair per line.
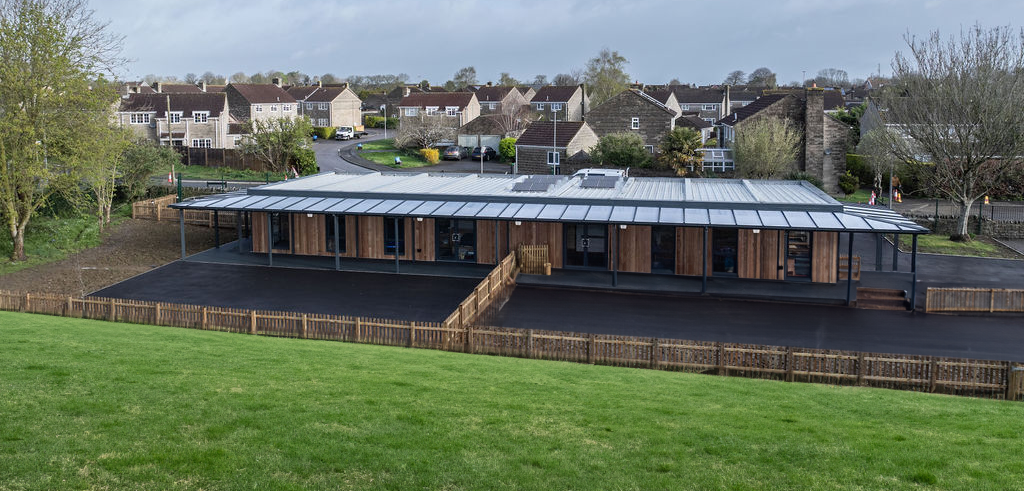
x,y
384,109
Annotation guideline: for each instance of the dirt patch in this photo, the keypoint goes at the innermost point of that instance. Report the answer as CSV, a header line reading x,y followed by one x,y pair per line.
x,y
129,248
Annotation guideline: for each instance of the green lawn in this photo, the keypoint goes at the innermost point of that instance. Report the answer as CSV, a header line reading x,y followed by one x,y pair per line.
x,y
382,144
859,196
49,239
89,404
220,174
940,244
409,159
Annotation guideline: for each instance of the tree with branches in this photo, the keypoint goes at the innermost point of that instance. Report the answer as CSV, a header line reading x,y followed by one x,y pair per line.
x,y
765,148
681,151
762,77
605,76
735,77
424,131
55,56
277,142
955,103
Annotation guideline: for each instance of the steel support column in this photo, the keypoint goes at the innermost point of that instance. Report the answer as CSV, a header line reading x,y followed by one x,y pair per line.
x,y
615,257
895,252
270,242
878,252
497,247
216,229
181,218
337,245
913,271
396,244
238,229
704,262
849,269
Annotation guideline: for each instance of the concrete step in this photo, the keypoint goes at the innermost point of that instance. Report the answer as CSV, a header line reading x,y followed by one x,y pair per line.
x,y
876,304
880,293
881,299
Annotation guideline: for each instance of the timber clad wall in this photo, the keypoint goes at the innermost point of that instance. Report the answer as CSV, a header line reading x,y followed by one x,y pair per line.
x,y
760,255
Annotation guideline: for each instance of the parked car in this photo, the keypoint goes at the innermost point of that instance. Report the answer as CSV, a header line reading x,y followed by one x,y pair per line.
x,y
455,152
488,153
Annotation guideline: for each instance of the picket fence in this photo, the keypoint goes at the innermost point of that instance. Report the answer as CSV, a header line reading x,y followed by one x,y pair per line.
x,y
974,300
159,209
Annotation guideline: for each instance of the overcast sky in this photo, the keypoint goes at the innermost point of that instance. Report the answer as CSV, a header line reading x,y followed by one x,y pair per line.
x,y
699,42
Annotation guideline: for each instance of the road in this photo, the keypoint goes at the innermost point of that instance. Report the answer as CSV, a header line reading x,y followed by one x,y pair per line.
x,y
328,152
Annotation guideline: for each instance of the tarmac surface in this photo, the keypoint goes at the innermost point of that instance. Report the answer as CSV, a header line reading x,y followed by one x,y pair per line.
x,y
782,324
380,295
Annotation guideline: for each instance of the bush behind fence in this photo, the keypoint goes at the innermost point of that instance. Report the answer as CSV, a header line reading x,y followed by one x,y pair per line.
x,y
958,376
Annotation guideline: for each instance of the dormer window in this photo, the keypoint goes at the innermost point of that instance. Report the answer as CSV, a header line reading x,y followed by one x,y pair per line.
x,y
200,116
176,117
451,110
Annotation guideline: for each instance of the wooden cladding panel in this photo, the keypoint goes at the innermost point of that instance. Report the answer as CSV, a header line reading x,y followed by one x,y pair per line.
x,y
371,237
824,249
308,234
485,241
425,236
536,233
773,254
760,254
688,251
634,248
259,232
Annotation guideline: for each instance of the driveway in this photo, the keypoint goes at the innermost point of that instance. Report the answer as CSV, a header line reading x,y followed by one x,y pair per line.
x,y
381,295
736,321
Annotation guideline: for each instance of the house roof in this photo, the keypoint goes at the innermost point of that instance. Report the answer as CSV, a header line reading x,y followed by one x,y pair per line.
x,y
751,109
186,103
599,111
300,93
215,88
744,92
142,88
179,88
437,99
749,204
524,90
660,95
486,124
493,93
555,93
549,133
237,129
693,121
700,95
262,93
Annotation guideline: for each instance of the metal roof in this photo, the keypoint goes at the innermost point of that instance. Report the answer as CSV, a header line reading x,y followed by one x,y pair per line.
x,y
752,204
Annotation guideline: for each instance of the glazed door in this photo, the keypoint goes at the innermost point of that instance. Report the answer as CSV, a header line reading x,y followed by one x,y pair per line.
x,y
586,245
456,240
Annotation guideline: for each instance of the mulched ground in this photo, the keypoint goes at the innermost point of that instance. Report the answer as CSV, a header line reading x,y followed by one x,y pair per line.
x,y
130,248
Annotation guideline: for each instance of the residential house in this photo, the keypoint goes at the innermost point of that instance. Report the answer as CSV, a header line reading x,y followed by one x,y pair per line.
x,y
544,145
708,103
527,91
165,88
461,107
260,102
823,139
833,98
705,128
328,105
499,99
198,120
564,102
743,95
634,111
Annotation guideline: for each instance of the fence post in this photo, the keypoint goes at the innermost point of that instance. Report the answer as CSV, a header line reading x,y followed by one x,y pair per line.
x,y
861,369
1013,379
591,351
992,300
252,322
305,325
26,305
357,328
529,343
655,355
789,364
412,334
721,359
113,310
69,307
469,339
933,376
156,314
203,325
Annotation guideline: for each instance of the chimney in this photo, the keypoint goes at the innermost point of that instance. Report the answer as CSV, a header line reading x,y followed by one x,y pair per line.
x,y
489,84
814,137
276,81
344,86
202,85
157,86
636,85
583,101
406,91
134,89
319,83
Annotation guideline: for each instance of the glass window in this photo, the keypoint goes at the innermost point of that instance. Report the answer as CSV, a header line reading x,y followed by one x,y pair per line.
x,y
280,233
201,116
389,237
663,250
410,111
556,107
540,106
323,106
175,117
456,240
329,219
259,108
553,158
451,110
634,123
798,254
724,244
309,106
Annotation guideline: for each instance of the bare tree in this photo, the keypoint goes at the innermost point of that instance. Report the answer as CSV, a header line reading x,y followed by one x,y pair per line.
x,y
211,78
513,119
191,78
765,148
464,76
239,78
832,77
424,131
958,102
53,53
763,77
876,147
507,80
735,77
539,81
328,78
566,79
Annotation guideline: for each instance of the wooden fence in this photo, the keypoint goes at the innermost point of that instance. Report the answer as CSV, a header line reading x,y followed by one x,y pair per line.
x,y
488,296
974,300
159,209
957,376
533,259
219,157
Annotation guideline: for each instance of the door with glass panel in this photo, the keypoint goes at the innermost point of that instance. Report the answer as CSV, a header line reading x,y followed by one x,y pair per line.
x,y
456,240
798,255
586,245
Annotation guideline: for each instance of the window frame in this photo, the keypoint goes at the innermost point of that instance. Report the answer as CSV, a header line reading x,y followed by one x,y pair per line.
x,y
634,123
557,158
175,116
556,106
323,106
202,143
259,107
451,110
309,106
200,116
411,111
140,118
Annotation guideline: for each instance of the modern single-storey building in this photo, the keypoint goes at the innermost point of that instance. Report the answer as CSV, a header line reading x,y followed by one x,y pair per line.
x,y
766,230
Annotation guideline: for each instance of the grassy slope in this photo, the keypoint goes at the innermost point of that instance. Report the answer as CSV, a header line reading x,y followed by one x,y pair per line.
x,y
89,404
50,239
940,244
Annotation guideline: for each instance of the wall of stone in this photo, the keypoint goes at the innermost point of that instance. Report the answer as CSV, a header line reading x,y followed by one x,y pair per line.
x,y
999,230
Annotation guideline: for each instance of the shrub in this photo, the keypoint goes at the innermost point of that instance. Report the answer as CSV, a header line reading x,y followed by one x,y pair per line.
x,y
857,165
304,160
431,155
507,149
621,150
325,133
378,122
848,183
804,176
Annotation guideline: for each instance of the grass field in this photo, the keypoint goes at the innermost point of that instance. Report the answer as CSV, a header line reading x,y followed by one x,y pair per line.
x,y
221,174
940,244
382,144
409,159
89,404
